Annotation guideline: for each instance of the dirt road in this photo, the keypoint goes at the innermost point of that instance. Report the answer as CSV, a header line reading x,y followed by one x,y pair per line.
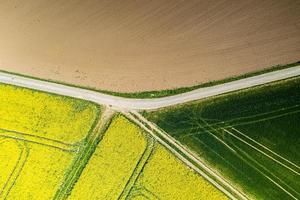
x,y
148,104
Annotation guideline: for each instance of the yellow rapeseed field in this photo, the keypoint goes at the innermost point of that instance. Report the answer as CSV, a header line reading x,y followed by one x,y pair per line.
x,y
10,153
113,162
41,114
166,177
42,174
38,135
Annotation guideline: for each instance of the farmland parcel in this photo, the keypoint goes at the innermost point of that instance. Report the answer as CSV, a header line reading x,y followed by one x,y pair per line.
x,y
128,164
165,177
250,137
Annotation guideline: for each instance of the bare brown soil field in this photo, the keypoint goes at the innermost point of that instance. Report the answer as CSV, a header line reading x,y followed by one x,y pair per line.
x,y
132,45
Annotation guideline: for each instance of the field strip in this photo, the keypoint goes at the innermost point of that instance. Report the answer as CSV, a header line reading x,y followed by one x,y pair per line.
x,y
260,151
187,155
84,154
16,171
266,148
149,104
138,169
38,140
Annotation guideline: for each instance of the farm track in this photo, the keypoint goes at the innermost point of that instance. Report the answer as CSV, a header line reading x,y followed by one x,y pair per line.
x,y
267,173
38,140
186,156
252,143
282,185
264,150
16,171
129,107
85,154
251,119
138,169
230,124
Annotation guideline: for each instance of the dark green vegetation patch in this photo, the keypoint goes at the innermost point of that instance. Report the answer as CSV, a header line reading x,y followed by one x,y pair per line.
x,y
251,137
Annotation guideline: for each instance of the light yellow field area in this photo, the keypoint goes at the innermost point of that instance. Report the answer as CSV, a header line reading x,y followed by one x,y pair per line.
x,y
113,162
42,173
165,177
10,152
39,136
44,115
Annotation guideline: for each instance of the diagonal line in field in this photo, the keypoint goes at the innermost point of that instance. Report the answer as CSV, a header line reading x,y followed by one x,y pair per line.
x,y
267,176
138,169
290,162
260,151
186,156
216,137
16,171
38,140
237,121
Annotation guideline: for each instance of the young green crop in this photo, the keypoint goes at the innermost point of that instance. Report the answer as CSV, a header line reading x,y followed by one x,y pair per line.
x,y
251,137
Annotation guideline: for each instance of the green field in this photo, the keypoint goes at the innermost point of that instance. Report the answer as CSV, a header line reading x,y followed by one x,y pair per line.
x,y
251,137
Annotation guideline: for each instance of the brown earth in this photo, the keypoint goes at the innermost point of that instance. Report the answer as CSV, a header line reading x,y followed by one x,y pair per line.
x,y
132,45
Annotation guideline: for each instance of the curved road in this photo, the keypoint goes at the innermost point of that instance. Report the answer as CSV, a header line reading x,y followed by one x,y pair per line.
x,y
148,104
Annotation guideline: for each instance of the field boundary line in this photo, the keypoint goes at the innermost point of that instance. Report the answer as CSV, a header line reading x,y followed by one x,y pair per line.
x,y
24,153
84,154
143,191
138,169
38,140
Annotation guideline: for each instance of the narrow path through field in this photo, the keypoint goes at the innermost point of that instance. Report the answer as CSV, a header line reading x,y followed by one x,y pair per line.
x,y
38,140
24,153
272,153
138,169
